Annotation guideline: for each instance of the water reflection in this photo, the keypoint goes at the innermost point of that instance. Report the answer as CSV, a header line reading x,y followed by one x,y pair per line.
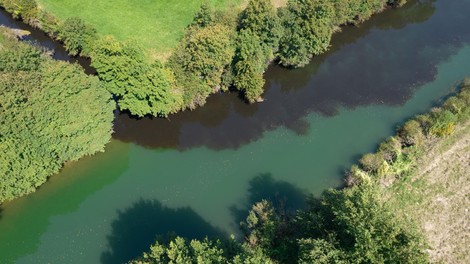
x,y
137,227
364,67
285,197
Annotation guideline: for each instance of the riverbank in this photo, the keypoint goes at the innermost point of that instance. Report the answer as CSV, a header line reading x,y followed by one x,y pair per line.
x,y
157,25
420,175
199,164
51,113
436,197
221,49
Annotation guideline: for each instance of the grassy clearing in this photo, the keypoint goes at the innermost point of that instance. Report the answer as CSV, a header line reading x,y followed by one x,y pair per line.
x,y
158,25
437,198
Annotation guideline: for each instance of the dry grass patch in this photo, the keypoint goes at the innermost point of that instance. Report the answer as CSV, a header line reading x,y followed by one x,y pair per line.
x,y
437,197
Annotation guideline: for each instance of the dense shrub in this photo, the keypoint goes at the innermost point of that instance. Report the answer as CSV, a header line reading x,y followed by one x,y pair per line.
x,y
139,87
353,226
260,17
411,133
251,59
77,36
308,30
50,113
204,17
205,53
371,162
27,10
390,149
443,123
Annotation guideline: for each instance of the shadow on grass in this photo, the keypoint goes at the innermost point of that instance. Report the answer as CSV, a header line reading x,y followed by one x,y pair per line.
x,y
137,227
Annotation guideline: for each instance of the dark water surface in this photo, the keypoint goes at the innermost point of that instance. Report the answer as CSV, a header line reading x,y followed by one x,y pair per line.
x,y
40,38
197,172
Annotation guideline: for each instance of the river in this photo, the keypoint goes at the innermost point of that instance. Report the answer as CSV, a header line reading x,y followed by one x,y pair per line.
x,y
197,172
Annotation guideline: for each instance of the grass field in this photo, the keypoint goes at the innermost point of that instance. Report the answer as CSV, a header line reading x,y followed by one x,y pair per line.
x,y
437,197
156,24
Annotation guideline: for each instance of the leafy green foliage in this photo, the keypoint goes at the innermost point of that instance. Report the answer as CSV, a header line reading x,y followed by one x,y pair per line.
x,y
259,34
443,123
50,113
204,17
352,226
251,59
179,251
261,18
371,162
308,30
77,36
411,133
24,9
201,60
139,87
319,251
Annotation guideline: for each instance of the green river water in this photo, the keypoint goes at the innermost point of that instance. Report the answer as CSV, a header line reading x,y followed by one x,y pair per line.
x,y
197,173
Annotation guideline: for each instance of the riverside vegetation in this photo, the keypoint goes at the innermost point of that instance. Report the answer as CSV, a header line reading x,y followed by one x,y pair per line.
x,y
359,224
221,49
50,113
65,114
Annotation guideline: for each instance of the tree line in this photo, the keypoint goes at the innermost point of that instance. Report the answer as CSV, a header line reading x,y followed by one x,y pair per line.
x,y
349,225
51,112
221,50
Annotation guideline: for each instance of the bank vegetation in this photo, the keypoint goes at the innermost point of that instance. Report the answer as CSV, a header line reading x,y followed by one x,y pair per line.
x,y
51,112
220,50
402,204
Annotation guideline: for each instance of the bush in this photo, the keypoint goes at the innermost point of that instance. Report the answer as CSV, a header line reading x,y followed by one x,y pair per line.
x,y
205,54
371,162
390,149
454,105
139,87
251,60
443,123
49,23
51,112
353,226
308,30
77,36
411,133
14,59
27,10
260,17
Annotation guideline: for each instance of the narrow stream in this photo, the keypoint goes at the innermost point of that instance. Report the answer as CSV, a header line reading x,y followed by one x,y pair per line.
x,y
40,38
198,172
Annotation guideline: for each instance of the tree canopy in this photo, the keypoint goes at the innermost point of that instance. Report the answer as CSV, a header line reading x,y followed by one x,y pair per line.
x,y
140,87
50,112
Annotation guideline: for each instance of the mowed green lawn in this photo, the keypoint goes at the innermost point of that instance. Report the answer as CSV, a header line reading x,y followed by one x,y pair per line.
x,y
157,24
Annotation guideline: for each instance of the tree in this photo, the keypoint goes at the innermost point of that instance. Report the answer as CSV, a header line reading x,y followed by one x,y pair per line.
x,y
204,17
250,61
201,60
27,10
139,87
77,36
261,18
50,113
308,30
353,225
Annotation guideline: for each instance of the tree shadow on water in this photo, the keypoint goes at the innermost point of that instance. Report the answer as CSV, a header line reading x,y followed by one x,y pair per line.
x,y
137,227
284,196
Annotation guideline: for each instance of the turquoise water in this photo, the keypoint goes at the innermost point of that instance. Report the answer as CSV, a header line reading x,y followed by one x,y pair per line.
x,y
202,177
